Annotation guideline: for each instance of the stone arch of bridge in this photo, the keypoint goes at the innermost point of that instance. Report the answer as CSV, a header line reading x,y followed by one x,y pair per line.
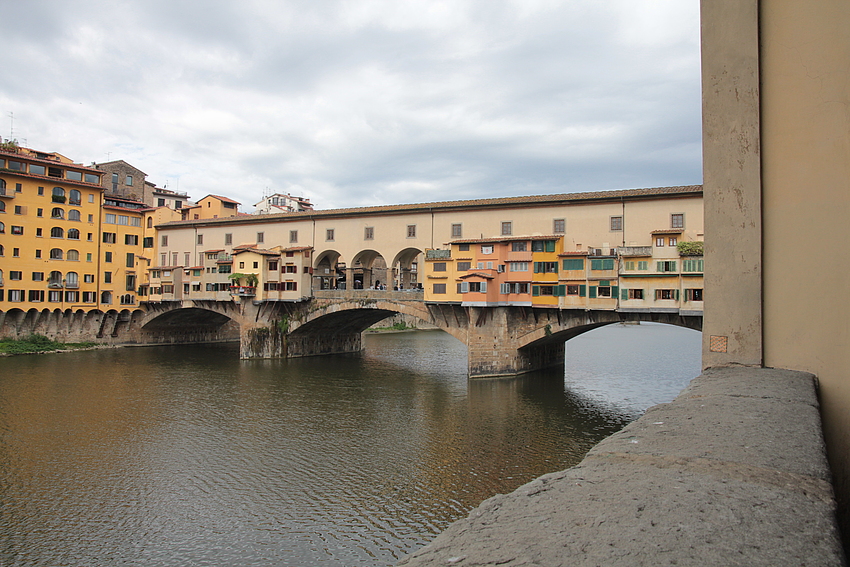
x,y
357,315
562,328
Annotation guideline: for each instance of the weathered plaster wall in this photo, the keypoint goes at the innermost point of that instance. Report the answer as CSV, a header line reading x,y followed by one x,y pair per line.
x,y
805,130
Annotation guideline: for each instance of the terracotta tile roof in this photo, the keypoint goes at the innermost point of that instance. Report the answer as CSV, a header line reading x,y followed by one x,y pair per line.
x,y
213,251
574,253
668,231
532,200
220,198
475,273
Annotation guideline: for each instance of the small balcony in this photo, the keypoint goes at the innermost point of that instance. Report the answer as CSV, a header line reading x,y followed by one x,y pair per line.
x,y
635,250
438,254
243,290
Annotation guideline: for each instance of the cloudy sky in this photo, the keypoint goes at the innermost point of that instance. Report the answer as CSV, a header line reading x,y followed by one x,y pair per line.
x,y
361,102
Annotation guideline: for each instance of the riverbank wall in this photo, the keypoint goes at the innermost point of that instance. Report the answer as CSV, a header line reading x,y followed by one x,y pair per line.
x,y
732,472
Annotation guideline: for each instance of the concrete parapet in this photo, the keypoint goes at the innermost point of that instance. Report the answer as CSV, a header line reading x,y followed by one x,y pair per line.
x,y
732,472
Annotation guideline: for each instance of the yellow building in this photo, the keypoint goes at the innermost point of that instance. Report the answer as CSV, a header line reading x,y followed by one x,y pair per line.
x,y
50,242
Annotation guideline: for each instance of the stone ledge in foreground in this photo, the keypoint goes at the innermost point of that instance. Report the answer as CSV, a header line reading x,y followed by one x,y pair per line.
x,y
732,472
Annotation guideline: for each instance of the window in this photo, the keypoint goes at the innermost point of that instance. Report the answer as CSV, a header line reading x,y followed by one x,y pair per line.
x,y
178,204
38,253
16,295
439,266
666,294
38,276
199,240
545,267
74,215
58,195
164,240
573,264
57,213
573,289
109,237
602,264
616,224
543,246
369,233
73,255
17,229
487,249
411,231
293,236
659,241
131,260
56,254
439,289
693,294
518,266
692,265
74,175
630,266
75,197
16,275
72,296
106,297
634,294
261,237
54,296
463,247
463,266
457,230
672,241
507,228
108,257
272,265
290,269
147,242
107,277
36,295
329,235
3,207
55,279
89,296
20,210
129,180
478,287
255,265
666,266
130,282
677,220
57,232
16,252
88,278
150,222
228,239
604,291
519,246
643,265
131,239
558,226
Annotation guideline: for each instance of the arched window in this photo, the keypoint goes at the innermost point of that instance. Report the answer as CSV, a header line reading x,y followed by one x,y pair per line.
x,y
1,249
2,186
2,206
74,214
56,254
1,274
75,197
57,232
150,222
2,228
106,297
73,234
57,213
58,195
55,279
72,280
73,256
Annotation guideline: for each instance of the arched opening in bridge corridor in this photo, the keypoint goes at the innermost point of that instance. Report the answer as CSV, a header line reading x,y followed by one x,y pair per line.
x,y
329,271
405,269
368,270
631,367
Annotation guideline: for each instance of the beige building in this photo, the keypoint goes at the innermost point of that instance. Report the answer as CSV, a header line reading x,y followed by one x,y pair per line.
x,y
776,137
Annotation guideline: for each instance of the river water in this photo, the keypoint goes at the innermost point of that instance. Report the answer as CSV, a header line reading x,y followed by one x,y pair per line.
x,y
188,456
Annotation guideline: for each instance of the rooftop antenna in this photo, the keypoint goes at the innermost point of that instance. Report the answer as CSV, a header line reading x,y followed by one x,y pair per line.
x,y
11,125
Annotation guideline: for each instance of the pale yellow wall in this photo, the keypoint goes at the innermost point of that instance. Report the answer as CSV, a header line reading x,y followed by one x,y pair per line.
x,y
805,97
776,93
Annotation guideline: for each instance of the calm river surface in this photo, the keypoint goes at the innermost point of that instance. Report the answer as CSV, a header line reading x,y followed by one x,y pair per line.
x,y
189,456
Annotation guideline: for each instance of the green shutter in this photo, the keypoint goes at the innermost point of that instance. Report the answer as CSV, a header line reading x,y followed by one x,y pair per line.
x,y
677,295
604,282
536,267
582,290
550,246
592,291
560,290
673,266
608,264
624,294
573,264
660,266
535,290
614,291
